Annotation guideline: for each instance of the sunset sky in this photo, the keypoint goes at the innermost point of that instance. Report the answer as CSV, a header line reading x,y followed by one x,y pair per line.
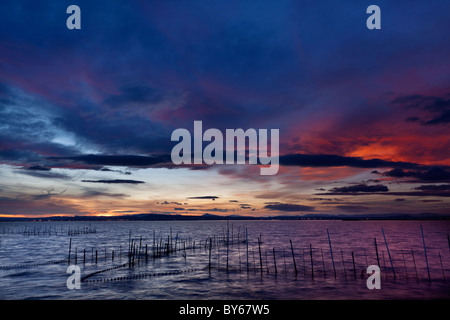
x,y
87,115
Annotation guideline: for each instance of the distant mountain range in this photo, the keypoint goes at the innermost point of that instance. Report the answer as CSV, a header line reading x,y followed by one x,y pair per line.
x,y
169,217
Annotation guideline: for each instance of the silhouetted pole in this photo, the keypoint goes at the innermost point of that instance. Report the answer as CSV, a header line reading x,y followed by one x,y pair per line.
x,y
376,250
442,267
404,264
154,244
425,250
293,257
414,260
389,254
228,246
246,242
331,251
274,261
343,263
210,247
354,268
70,248
260,257
323,264
129,243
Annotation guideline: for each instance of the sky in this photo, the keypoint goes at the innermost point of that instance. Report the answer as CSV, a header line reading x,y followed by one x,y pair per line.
x,y
87,115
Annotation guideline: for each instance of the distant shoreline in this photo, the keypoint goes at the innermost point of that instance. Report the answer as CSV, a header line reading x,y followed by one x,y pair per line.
x,y
209,217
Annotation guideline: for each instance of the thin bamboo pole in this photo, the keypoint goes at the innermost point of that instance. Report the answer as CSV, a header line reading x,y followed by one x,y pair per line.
x,y
442,267
343,263
70,247
389,254
293,257
354,268
210,247
331,251
323,264
376,250
246,242
275,261
260,257
425,250
404,264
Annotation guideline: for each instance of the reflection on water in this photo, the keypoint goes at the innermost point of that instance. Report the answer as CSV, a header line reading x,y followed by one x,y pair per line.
x,y
214,260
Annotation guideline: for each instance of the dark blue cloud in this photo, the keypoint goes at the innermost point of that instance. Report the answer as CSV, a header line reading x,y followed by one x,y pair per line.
x,y
205,197
428,174
288,207
360,188
115,181
116,160
329,160
435,109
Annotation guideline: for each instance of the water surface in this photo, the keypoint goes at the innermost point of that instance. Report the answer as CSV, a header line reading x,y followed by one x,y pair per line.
x,y
34,259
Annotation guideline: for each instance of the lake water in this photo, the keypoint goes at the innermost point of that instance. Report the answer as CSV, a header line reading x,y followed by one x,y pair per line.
x,y
34,259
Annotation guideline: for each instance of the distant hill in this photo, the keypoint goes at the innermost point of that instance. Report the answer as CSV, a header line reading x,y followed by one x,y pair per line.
x,y
169,217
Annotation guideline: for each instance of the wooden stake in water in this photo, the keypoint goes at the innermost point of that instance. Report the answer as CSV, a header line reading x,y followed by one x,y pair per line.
x,y
70,247
228,246
154,244
239,253
210,247
343,263
442,267
404,264
312,264
274,261
425,250
169,240
129,243
389,254
331,251
354,268
414,260
376,250
260,257
293,257
246,242
323,264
